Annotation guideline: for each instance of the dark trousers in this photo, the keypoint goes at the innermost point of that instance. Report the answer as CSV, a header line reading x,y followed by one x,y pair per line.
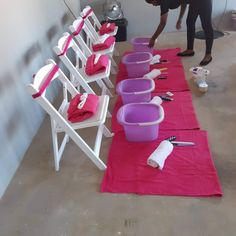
x,y
203,9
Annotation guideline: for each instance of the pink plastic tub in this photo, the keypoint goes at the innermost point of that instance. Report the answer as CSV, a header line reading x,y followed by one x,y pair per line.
x,y
140,121
141,45
135,90
137,63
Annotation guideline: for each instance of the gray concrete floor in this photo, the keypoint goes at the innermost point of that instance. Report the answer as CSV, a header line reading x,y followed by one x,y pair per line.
x,y
41,202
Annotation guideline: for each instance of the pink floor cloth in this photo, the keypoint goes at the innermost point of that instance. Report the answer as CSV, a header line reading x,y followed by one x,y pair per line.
x,y
175,72
179,113
188,171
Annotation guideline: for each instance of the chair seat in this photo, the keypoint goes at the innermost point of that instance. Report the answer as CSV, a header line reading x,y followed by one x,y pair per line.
x,y
97,119
92,78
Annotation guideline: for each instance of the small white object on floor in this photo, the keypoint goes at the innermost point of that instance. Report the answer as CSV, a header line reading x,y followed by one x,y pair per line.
x,y
200,75
152,74
155,59
170,94
158,157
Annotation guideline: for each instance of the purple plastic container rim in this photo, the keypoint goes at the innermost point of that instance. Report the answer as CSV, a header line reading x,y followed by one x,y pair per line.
x,y
133,41
121,120
120,92
124,61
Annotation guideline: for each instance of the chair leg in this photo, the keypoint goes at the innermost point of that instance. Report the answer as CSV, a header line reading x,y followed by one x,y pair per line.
x,y
107,133
108,83
55,145
109,115
116,52
113,63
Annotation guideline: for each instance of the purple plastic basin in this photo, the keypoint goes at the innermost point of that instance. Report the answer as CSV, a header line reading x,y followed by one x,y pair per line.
x,y
140,121
141,45
137,63
135,90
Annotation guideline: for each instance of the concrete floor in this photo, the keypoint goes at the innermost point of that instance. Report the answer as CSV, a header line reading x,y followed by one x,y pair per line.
x,y
41,202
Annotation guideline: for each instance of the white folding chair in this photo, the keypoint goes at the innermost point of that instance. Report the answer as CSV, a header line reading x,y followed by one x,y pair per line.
x,y
59,121
77,28
67,42
93,23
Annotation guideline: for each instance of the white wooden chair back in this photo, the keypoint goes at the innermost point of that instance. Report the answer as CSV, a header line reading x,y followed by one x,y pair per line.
x,y
59,122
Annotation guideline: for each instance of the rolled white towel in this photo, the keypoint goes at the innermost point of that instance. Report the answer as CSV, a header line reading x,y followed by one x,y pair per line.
x,y
152,74
158,157
155,59
156,100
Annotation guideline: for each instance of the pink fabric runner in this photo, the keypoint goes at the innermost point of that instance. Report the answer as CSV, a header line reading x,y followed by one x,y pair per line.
x,y
179,113
188,171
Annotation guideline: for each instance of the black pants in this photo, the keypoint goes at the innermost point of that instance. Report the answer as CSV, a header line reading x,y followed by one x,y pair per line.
x,y
202,8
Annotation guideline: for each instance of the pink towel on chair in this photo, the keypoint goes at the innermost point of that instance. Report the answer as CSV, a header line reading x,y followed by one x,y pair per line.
x,y
82,109
107,28
95,67
105,45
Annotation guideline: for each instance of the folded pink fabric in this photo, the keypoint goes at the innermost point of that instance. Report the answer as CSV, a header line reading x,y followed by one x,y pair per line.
x,y
100,66
188,171
107,28
88,109
105,45
179,113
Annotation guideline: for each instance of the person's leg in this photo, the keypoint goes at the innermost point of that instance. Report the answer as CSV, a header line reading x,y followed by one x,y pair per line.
x,y
191,20
205,12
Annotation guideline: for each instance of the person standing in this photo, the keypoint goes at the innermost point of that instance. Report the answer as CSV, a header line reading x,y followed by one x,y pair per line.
x,y
201,8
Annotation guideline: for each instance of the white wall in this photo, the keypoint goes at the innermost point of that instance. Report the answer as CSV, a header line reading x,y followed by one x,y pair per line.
x,y
143,18
29,30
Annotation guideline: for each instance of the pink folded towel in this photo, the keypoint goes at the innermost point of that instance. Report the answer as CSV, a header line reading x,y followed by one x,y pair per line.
x,y
82,107
96,64
107,28
105,45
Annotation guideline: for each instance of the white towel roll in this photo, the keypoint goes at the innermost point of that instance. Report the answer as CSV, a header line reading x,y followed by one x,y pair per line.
x,y
156,100
158,157
152,74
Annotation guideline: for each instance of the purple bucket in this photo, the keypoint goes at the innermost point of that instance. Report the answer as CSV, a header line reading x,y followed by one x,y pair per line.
x,y
140,121
137,63
135,90
141,45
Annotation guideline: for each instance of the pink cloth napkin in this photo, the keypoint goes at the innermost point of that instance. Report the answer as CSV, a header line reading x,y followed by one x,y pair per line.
x,y
188,171
93,68
102,46
89,108
107,28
